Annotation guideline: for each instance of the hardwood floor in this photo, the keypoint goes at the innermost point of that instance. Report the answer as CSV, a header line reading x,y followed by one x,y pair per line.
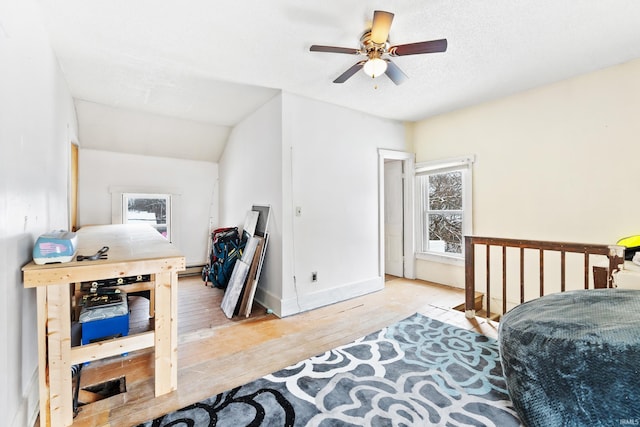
x,y
216,354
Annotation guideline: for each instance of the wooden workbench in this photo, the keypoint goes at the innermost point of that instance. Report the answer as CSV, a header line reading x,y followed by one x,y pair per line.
x,y
133,250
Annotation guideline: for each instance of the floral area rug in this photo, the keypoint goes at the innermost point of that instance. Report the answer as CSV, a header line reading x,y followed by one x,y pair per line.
x,y
417,372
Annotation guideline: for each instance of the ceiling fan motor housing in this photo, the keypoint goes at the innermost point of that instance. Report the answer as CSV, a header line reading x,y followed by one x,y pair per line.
x,y
371,48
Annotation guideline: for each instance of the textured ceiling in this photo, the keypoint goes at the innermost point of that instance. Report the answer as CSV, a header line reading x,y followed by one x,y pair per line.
x,y
216,62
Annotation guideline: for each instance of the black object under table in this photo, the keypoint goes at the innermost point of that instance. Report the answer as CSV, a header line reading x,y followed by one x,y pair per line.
x,y
573,358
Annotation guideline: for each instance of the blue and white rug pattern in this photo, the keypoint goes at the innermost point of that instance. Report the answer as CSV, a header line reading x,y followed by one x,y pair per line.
x,y
417,372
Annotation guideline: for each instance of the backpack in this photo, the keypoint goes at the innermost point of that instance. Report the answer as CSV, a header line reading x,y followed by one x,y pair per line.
x,y
226,249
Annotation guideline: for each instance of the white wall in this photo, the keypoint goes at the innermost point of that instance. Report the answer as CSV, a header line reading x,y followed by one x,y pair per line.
x,y
295,152
251,174
556,163
195,183
37,124
331,174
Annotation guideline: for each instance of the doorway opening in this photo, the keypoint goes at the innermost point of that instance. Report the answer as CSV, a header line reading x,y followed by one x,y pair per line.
x,y
393,218
396,237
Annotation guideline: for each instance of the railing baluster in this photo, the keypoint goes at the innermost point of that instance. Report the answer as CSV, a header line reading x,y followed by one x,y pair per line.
x,y
563,271
521,275
488,281
586,270
504,279
541,272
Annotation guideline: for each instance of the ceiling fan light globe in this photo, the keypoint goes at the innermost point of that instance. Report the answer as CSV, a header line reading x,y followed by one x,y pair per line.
x,y
375,67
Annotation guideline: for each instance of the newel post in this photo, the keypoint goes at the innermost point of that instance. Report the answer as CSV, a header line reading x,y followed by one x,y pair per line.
x,y
469,278
616,262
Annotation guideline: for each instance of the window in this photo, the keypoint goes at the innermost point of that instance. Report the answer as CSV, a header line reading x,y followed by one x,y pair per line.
x,y
444,204
152,209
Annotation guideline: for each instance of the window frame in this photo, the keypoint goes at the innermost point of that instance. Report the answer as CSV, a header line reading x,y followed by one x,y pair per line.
x,y
464,165
117,191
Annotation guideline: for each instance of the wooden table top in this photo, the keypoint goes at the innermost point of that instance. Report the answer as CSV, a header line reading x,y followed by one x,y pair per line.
x,y
133,249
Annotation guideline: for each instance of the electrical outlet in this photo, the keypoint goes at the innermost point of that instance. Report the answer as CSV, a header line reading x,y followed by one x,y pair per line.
x,y
314,276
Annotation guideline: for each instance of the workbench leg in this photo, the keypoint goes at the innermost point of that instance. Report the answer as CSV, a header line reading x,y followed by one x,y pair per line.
x,y
43,383
59,349
166,333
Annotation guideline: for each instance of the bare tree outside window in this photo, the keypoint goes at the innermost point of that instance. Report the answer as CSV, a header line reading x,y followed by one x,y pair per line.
x,y
442,212
157,207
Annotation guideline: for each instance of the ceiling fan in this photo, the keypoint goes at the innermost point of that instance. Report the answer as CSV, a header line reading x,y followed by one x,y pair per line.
x,y
374,44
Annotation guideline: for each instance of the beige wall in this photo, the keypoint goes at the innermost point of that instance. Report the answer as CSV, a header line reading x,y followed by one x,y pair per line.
x,y
554,163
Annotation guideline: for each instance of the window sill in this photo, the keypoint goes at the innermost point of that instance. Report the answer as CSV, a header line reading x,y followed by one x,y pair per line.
x,y
441,258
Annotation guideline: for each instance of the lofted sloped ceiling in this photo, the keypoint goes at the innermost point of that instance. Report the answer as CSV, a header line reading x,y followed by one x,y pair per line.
x,y
216,62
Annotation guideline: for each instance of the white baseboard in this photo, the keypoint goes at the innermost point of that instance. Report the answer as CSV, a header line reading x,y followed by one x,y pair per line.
x,y
269,301
27,413
320,298
191,270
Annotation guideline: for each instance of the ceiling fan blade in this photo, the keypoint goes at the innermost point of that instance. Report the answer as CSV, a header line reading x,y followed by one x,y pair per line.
x,y
350,72
381,26
420,47
333,49
395,73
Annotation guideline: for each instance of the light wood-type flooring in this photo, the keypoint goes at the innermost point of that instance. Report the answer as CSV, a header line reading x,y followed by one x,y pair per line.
x,y
216,354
